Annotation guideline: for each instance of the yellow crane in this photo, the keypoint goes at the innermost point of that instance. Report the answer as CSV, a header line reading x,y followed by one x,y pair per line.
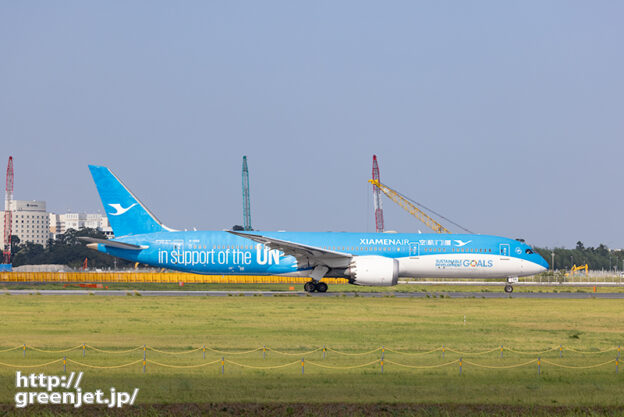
x,y
409,207
580,268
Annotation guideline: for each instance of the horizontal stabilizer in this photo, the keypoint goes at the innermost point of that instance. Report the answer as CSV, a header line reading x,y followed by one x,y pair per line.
x,y
111,243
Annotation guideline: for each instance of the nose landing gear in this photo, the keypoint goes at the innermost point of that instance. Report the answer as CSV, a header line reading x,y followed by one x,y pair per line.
x,y
508,287
312,286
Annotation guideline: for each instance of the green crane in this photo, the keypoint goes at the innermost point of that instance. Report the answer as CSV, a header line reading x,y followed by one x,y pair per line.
x,y
246,204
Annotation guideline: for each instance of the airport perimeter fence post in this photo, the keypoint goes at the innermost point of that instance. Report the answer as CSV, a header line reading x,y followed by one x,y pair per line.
x,y
382,358
560,350
204,349
460,366
302,365
144,358
64,364
539,366
222,365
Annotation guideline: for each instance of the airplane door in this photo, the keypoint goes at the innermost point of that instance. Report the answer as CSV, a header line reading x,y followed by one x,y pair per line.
x,y
504,249
414,249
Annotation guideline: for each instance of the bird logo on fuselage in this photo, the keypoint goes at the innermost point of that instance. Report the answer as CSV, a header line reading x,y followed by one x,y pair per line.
x,y
461,243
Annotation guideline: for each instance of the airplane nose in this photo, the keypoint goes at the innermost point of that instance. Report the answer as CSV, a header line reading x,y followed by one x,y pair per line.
x,y
542,263
536,266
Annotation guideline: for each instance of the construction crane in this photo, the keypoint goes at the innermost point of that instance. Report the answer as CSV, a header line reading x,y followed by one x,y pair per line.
x,y
379,220
411,208
580,268
246,204
8,214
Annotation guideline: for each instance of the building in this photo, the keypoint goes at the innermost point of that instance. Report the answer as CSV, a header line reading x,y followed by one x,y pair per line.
x,y
30,221
61,223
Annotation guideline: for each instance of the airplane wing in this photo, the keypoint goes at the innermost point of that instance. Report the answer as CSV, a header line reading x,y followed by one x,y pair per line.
x,y
306,255
110,243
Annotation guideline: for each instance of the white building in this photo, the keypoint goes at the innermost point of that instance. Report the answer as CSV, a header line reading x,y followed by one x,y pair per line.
x,y
30,221
61,223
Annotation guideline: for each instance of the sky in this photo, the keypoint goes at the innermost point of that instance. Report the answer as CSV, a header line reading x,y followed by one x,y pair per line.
x,y
506,117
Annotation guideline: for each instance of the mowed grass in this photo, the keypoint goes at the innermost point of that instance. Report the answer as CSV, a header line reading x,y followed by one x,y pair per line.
x,y
333,288
293,326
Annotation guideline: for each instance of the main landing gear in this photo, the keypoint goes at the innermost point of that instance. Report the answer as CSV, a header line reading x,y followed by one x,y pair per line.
x,y
312,286
318,272
509,287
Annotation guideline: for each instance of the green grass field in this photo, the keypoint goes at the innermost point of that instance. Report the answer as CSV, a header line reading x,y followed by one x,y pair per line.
x,y
350,325
334,288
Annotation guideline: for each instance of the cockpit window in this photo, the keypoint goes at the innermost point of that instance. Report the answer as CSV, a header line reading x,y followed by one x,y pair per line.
x,y
529,251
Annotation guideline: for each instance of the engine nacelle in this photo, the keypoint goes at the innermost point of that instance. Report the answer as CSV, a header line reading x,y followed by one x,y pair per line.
x,y
373,270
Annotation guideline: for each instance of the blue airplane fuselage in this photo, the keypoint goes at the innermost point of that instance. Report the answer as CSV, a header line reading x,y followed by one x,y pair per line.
x,y
364,258
419,255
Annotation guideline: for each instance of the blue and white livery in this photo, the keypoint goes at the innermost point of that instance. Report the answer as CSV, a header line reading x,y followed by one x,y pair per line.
x,y
376,259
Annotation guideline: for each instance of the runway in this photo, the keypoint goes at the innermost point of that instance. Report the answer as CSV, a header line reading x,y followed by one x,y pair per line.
x,y
455,294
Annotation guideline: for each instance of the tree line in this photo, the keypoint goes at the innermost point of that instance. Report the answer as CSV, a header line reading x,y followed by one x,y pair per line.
x,y
66,249
598,258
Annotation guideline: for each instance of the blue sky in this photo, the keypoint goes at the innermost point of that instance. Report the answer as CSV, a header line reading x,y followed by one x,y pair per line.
x,y
504,116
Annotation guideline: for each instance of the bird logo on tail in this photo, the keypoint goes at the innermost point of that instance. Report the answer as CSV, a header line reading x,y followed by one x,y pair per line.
x,y
120,209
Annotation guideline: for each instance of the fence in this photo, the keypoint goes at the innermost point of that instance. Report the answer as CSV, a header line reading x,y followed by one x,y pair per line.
x,y
594,277
155,277
379,362
175,277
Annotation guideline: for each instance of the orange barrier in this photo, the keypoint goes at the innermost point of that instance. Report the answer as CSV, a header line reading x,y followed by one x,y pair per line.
x,y
156,277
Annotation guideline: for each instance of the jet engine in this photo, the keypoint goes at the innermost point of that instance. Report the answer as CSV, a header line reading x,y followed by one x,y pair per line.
x,y
373,270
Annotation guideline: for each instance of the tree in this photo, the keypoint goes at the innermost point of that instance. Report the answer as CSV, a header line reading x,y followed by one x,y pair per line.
x,y
597,258
66,250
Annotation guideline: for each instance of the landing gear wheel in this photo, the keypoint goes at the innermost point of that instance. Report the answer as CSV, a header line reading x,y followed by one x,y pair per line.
x,y
321,287
508,288
310,286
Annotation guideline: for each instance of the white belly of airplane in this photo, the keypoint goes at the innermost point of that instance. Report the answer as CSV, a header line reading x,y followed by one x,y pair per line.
x,y
464,266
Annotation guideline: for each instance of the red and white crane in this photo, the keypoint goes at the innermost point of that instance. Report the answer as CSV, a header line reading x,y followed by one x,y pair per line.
x,y
379,220
406,203
8,214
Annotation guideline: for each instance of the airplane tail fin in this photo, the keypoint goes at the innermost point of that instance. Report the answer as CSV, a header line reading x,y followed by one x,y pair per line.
x,y
126,214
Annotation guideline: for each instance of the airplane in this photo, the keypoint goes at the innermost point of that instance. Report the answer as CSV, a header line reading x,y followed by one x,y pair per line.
x,y
373,259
